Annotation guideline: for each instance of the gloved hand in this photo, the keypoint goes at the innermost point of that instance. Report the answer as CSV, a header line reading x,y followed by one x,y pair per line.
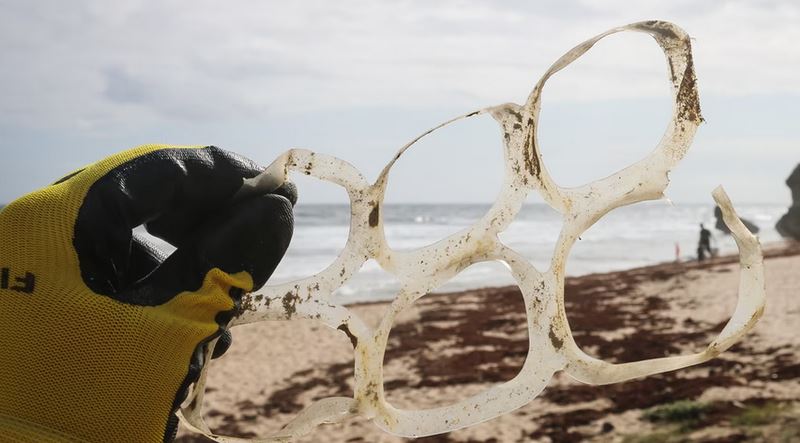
x,y
100,335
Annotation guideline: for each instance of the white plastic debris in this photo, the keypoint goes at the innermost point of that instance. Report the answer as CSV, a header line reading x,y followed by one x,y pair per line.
x,y
552,347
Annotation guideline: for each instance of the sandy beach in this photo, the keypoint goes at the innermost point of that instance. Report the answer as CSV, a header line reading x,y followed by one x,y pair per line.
x,y
453,345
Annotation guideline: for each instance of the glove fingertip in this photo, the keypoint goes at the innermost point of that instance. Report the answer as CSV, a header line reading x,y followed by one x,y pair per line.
x,y
289,191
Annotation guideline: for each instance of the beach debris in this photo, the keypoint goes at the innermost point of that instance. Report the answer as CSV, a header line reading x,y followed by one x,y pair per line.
x,y
789,225
552,347
721,226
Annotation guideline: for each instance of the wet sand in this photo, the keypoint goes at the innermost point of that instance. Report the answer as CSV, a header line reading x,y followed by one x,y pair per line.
x,y
450,346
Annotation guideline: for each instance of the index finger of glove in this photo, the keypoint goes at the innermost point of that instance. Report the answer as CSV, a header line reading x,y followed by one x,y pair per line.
x,y
173,191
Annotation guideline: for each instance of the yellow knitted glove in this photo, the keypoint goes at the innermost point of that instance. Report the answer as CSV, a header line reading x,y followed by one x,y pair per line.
x,y
100,335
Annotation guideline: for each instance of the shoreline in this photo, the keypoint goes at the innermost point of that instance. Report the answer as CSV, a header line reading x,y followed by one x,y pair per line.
x,y
452,345
786,248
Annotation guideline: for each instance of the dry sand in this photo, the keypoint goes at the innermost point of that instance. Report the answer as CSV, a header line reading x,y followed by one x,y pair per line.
x,y
454,345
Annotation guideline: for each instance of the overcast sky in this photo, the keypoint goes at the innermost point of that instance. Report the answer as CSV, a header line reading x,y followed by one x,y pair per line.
x,y
84,79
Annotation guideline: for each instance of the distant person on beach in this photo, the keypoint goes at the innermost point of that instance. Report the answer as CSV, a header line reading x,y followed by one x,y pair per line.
x,y
102,334
704,245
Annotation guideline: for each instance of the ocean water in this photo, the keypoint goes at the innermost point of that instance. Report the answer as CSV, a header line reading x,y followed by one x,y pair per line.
x,y
632,236
638,235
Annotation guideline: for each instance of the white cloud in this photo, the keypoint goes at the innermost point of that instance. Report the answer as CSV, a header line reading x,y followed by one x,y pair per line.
x,y
359,78
99,61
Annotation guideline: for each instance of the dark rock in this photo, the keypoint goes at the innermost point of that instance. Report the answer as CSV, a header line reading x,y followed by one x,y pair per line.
x,y
721,226
789,225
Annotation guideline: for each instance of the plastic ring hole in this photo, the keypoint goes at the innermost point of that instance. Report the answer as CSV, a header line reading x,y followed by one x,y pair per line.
x,y
370,285
636,290
534,231
444,183
449,346
605,111
321,227
271,372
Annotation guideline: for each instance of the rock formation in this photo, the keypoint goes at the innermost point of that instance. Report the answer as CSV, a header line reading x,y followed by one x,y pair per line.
x,y
789,225
721,226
